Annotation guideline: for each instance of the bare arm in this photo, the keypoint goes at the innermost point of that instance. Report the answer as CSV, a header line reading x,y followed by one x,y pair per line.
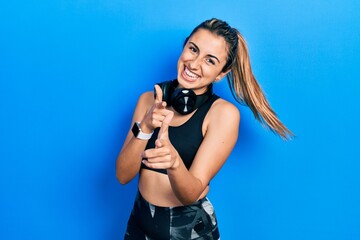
x,y
150,113
221,126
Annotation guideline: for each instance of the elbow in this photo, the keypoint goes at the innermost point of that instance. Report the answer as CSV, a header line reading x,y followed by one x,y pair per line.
x,y
189,200
121,175
186,202
194,194
122,179
122,182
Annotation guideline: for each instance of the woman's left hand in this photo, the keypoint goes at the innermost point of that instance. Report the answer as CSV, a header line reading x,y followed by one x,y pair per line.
x,y
164,155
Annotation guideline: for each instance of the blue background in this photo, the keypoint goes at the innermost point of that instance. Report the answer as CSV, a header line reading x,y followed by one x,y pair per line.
x,y
70,75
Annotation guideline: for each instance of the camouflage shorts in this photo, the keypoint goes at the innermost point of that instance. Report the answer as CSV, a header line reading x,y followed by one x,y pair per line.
x,y
150,222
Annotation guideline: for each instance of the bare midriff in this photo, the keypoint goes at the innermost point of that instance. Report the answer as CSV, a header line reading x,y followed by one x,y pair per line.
x,y
155,187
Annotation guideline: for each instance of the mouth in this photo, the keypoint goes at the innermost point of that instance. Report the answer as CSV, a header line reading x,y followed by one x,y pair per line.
x,y
188,75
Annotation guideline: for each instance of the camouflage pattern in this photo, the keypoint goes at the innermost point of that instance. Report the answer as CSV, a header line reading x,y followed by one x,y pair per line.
x,y
150,222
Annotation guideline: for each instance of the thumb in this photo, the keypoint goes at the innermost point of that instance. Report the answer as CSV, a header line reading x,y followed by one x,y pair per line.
x,y
158,94
164,130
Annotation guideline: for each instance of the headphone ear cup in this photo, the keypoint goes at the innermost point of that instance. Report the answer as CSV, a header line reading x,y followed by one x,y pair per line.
x,y
183,101
167,89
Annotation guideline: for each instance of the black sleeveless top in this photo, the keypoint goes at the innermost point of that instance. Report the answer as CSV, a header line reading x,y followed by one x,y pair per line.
x,y
185,138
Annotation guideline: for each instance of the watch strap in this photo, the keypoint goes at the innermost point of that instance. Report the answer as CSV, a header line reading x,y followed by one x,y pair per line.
x,y
140,134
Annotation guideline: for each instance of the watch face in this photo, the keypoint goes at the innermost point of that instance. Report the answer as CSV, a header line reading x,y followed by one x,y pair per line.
x,y
135,129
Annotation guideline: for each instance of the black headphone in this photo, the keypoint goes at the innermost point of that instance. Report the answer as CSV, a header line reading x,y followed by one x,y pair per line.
x,y
183,100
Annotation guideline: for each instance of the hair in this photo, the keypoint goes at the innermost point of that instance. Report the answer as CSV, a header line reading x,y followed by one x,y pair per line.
x,y
242,82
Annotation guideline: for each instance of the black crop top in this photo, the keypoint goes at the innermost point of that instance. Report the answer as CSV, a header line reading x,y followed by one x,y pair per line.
x,y
185,138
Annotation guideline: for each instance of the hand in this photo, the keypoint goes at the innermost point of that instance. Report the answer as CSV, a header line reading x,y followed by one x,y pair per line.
x,y
164,155
157,113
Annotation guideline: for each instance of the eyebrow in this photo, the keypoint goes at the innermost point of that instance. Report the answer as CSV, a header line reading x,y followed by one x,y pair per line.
x,y
210,55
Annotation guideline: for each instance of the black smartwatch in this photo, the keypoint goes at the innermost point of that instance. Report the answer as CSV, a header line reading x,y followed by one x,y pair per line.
x,y
139,134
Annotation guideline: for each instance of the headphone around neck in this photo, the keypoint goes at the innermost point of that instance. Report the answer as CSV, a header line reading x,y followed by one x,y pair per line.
x,y
183,100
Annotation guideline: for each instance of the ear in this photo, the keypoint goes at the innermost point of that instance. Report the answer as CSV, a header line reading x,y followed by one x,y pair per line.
x,y
221,75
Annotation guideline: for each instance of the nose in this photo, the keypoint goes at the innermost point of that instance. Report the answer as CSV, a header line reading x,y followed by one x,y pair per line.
x,y
195,63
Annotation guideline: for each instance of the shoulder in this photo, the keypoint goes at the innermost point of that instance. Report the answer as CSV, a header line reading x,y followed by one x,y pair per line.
x,y
144,103
146,99
147,96
222,114
224,109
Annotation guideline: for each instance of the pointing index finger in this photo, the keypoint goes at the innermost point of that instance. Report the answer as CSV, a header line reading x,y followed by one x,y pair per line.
x,y
163,133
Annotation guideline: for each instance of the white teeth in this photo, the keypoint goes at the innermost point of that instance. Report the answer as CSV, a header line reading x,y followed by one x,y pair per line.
x,y
190,74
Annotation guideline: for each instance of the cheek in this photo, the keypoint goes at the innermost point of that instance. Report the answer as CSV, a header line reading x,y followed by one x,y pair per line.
x,y
186,56
211,71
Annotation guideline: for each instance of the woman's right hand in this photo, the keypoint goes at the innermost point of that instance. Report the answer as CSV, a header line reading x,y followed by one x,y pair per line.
x,y
156,114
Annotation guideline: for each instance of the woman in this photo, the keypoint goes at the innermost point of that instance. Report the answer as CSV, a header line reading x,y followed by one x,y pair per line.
x,y
181,139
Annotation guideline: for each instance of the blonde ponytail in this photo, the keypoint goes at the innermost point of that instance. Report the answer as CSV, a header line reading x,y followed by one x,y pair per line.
x,y
247,90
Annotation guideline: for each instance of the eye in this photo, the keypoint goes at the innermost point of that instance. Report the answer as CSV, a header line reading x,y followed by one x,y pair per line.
x,y
210,61
193,49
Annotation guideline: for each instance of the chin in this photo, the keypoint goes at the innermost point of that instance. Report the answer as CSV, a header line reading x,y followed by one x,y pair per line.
x,y
181,82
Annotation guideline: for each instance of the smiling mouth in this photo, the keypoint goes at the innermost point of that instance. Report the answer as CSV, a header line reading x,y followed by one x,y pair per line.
x,y
190,75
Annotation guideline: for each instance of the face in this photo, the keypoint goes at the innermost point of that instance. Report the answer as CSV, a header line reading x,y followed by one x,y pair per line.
x,y
202,61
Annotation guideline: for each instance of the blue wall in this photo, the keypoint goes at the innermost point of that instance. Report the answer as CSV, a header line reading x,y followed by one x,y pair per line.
x,y
70,74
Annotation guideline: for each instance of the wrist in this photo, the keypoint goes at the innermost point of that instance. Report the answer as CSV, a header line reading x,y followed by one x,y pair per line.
x,y
138,132
145,128
176,164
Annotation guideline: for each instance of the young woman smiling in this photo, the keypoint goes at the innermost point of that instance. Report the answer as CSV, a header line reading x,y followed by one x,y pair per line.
x,y
181,139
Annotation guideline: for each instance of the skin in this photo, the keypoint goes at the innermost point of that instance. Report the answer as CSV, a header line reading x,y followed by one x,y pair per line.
x,y
199,65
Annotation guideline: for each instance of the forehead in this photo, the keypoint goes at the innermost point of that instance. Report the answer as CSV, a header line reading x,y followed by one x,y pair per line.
x,y
210,43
